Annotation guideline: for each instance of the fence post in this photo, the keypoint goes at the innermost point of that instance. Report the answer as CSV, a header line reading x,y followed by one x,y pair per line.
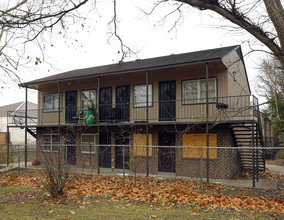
x,y
201,170
19,163
123,165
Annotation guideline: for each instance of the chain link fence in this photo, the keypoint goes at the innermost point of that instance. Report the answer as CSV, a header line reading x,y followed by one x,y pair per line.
x,y
257,169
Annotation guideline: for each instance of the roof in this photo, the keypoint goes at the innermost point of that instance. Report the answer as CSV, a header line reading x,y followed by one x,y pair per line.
x,y
18,109
139,65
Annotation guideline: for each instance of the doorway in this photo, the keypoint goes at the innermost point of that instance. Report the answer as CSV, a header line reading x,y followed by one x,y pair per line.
x,y
167,101
105,101
71,106
105,151
167,154
121,139
122,103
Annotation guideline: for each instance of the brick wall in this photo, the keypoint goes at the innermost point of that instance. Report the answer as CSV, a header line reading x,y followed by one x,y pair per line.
x,y
224,166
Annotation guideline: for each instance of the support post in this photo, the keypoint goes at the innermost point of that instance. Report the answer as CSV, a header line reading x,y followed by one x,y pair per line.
x,y
98,119
8,145
257,161
253,157
201,170
147,123
207,126
123,164
26,128
58,124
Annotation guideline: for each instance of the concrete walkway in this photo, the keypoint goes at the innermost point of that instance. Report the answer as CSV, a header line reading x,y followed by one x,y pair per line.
x,y
14,166
261,184
275,168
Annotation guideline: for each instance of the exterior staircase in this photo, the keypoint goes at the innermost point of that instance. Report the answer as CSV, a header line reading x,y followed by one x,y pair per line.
x,y
249,135
32,131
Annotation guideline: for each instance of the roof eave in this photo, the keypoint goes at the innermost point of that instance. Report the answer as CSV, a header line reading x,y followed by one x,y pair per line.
x,y
28,84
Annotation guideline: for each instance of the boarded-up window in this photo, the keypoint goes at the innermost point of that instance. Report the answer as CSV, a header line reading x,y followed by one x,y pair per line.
x,y
199,140
141,140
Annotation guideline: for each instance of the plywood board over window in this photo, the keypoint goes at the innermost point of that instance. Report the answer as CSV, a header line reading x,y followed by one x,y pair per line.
x,y
199,140
141,140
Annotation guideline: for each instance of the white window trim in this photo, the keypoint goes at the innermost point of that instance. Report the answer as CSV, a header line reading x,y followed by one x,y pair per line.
x,y
53,109
51,144
85,90
143,104
95,139
184,101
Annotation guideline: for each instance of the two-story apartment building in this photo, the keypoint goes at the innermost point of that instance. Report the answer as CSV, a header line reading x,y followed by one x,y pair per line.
x,y
152,102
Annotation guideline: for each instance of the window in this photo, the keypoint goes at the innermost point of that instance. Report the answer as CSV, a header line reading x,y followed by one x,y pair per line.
x,y
140,140
194,91
88,143
194,142
140,95
50,102
50,142
88,98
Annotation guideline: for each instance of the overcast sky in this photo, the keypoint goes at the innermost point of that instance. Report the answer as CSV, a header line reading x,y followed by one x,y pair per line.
x,y
89,44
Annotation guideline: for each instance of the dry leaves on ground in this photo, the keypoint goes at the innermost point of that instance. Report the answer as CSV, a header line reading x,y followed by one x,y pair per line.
x,y
159,191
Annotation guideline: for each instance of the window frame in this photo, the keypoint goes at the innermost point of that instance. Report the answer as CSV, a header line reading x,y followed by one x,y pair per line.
x,y
82,143
150,102
53,109
197,103
51,144
81,100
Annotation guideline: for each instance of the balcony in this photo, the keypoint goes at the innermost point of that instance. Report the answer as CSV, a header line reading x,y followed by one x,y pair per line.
x,y
223,110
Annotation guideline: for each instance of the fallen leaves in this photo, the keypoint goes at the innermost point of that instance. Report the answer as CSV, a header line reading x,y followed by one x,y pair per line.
x,y
160,191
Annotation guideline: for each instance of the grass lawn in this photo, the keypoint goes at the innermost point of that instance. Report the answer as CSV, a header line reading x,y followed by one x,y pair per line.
x,y
23,203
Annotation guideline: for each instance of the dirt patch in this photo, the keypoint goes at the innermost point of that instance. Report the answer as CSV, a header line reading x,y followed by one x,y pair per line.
x,y
18,197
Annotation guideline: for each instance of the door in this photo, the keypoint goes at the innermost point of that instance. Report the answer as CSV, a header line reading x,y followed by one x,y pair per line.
x,y
105,101
70,106
71,148
122,139
167,154
167,101
122,103
71,155
105,151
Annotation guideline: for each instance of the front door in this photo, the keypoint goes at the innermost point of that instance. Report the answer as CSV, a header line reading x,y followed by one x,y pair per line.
x,y
105,104
71,148
122,103
122,143
105,150
167,101
71,155
166,153
70,106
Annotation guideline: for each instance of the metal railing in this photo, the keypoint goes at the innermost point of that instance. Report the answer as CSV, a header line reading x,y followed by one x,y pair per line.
x,y
178,162
223,109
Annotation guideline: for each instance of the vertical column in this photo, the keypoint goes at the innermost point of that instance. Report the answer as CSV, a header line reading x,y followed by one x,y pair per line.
x,y
98,119
147,124
26,128
253,155
58,125
8,145
207,126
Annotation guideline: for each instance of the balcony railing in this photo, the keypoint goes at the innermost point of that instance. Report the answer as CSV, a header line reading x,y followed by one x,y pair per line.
x,y
223,109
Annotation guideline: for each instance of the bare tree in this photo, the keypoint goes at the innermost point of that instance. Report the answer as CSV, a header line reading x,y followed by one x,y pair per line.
x,y
24,21
263,19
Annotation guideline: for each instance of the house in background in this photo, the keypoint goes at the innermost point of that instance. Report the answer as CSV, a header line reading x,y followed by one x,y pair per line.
x,y
152,102
14,116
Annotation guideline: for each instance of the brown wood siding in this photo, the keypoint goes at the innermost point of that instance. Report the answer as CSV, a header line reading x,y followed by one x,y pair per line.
x,y
184,113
